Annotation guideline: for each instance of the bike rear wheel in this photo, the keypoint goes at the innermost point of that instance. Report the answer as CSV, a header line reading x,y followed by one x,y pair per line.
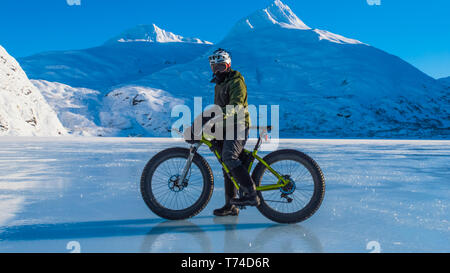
x,y
164,192
301,197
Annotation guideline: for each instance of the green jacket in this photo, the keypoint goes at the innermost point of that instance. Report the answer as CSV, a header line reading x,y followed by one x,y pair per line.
x,y
232,91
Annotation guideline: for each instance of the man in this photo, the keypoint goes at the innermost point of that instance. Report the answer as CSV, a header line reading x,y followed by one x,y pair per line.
x,y
230,90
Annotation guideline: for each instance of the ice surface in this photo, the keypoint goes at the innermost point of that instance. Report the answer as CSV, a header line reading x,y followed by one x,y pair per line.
x,y
57,190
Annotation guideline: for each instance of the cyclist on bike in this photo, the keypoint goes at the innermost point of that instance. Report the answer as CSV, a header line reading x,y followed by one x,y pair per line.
x,y
230,89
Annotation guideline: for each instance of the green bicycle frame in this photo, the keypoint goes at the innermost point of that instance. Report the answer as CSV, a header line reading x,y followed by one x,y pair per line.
x,y
281,180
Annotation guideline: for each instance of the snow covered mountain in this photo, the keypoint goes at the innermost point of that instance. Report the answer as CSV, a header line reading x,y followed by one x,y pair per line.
x,y
152,33
276,14
133,54
62,75
77,108
23,109
280,15
326,85
125,111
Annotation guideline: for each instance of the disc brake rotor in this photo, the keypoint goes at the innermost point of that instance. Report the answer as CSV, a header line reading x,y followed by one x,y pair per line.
x,y
175,185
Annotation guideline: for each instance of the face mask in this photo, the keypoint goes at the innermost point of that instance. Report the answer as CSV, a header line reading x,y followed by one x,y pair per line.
x,y
220,76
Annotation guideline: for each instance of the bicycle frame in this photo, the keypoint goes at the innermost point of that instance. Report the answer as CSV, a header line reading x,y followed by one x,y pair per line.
x,y
280,184
281,180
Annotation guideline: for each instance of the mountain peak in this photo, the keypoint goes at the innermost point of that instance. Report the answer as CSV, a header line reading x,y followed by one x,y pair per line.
x,y
152,34
281,14
276,14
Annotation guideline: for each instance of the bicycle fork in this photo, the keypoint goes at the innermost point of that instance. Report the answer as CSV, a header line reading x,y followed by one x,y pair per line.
x,y
187,166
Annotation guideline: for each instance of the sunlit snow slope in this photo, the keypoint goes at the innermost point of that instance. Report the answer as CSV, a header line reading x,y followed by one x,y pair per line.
x,y
77,108
23,109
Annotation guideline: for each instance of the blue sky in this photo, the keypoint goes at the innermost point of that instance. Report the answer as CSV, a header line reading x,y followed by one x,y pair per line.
x,y
416,30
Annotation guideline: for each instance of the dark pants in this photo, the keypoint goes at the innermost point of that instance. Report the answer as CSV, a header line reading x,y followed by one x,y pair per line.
x,y
229,151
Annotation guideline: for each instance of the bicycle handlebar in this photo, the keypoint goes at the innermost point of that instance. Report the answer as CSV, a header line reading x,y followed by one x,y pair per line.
x,y
265,128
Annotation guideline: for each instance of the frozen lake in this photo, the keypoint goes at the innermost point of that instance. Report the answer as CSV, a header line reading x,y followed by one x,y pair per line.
x,y
58,194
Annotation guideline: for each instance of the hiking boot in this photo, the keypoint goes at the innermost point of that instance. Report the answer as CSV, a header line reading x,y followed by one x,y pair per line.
x,y
230,193
226,210
250,198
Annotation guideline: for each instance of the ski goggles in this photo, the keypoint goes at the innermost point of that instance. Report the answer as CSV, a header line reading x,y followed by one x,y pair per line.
x,y
220,67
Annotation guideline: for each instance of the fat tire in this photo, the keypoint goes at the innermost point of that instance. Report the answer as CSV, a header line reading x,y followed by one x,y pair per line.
x,y
153,204
319,186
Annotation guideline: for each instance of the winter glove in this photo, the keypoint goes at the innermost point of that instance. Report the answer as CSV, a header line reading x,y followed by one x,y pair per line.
x,y
191,135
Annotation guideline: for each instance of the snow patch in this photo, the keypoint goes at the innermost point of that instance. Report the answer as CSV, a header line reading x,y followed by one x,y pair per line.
x,y
77,108
249,24
335,38
138,111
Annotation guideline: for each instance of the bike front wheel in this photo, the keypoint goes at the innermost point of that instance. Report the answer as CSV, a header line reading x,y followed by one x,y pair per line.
x,y
166,195
301,197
